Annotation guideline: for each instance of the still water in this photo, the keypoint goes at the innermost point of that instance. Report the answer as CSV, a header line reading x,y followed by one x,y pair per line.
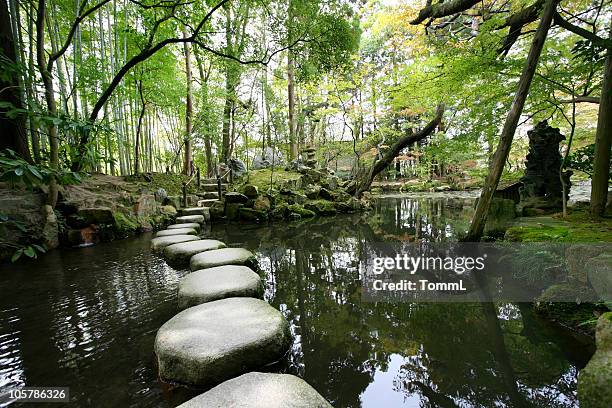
x,y
87,318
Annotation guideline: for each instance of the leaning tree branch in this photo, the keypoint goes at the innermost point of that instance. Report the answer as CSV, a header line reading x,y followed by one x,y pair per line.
x,y
443,9
364,180
594,38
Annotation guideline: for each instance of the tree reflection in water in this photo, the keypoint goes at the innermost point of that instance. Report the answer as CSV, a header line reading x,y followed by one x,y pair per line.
x,y
476,354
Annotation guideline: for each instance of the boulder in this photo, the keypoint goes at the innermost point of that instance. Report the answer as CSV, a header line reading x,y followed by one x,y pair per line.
x,y
268,158
145,205
224,256
159,243
301,211
260,390
217,210
594,390
97,216
312,192
250,214
185,219
321,207
238,167
599,273
577,255
212,342
176,231
326,194
193,225
180,254
168,210
232,210
160,195
235,197
250,191
216,283
262,204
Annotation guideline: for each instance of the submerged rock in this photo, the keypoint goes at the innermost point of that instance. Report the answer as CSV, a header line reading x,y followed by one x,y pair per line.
x,y
221,282
260,390
176,231
225,256
181,253
157,244
190,218
595,380
212,342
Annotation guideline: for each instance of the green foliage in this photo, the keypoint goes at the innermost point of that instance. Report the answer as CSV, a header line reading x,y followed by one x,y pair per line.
x,y
16,171
582,160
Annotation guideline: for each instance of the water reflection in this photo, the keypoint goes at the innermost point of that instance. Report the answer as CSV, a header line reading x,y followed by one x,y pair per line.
x,y
381,354
87,318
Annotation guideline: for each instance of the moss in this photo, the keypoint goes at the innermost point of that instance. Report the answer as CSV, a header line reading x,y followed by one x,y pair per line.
x,y
321,207
124,224
298,209
261,178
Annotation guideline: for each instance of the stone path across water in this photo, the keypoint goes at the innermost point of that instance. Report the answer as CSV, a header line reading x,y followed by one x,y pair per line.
x,y
180,254
193,225
157,244
225,330
221,282
213,342
177,231
225,256
260,390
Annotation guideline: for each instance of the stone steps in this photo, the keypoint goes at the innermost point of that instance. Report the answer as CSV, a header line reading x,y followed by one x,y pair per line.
x,y
207,203
212,187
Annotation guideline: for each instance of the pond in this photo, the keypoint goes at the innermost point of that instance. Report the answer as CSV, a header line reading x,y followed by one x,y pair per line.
x,y
87,318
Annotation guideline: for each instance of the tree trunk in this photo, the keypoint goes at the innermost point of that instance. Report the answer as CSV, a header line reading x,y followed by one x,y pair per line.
x,y
505,141
12,129
291,115
603,140
365,176
206,132
49,97
139,129
188,108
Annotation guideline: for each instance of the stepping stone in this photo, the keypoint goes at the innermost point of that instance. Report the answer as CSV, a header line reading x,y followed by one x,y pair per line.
x,y
225,256
189,219
195,211
212,342
221,282
182,253
193,225
176,231
260,390
159,243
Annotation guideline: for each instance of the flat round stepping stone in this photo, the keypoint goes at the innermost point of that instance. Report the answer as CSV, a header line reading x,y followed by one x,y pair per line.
x,y
225,256
193,225
212,342
176,231
182,253
159,243
260,390
207,285
189,219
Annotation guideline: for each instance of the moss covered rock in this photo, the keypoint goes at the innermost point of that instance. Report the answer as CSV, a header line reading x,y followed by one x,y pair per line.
x,y
301,211
595,380
321,207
